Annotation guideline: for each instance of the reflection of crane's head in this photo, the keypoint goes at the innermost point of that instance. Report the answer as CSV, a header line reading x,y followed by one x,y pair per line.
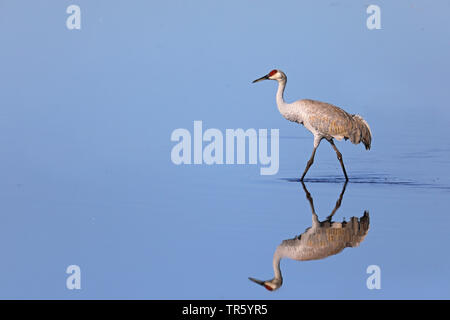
x,y
270,285
273,75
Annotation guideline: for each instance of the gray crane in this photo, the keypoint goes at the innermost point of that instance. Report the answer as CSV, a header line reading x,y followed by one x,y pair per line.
x,y
323,120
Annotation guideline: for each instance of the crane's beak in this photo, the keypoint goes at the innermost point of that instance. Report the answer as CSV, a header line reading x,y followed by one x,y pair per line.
x,y
260,282
261,79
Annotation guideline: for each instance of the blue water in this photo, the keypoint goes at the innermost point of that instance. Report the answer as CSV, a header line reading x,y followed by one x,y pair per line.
x,y
86,176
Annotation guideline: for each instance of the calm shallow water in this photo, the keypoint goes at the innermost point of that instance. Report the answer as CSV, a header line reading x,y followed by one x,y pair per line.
x,y
85,170
158,235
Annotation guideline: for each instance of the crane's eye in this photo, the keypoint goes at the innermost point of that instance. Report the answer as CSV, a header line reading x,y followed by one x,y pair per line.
x,y
271,73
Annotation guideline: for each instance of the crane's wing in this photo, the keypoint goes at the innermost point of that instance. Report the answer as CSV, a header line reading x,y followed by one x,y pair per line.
x,y
332,121
328,120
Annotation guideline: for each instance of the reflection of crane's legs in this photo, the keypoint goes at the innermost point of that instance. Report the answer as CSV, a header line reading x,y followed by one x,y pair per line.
x,y
311,160
338,202
310,199
336,207
339,156
311,203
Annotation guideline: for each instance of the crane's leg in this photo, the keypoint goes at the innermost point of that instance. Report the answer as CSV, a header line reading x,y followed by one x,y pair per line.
x,y
339,156
311,160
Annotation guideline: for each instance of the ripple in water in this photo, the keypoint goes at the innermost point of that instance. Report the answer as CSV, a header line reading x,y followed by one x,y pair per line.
x,y
370,179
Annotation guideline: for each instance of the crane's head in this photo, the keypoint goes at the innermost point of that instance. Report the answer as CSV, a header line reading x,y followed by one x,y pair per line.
x,y
273,75
270,285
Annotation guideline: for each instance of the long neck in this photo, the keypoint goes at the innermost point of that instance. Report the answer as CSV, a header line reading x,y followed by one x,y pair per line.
x,y
287,110
280,93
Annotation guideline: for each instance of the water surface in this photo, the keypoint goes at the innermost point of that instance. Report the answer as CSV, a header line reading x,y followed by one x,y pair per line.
x,y
85,170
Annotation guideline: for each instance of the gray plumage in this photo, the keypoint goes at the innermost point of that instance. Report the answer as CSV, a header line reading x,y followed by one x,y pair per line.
x,y
333,122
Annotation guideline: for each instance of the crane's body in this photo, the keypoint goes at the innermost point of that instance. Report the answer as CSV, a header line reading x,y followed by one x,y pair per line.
x,y
323,120
327,121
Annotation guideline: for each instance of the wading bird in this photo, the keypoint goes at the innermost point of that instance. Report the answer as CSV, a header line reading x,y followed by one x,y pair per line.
x,y
322,119
321,240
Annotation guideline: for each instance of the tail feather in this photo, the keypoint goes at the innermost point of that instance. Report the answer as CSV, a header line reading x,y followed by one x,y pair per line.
x,y
361,132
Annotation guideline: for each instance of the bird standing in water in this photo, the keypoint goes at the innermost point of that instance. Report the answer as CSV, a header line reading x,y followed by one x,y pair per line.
x,y
323,120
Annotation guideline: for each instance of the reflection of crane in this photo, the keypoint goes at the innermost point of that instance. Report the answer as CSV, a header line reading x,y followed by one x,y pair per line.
x,y
322,119
322,239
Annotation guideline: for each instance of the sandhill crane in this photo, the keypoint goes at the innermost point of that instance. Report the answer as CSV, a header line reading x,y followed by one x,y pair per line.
x,y
321,240
322,119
